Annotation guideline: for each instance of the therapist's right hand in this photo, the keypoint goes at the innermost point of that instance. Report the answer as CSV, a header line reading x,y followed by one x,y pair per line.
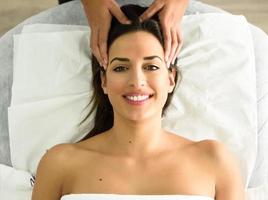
x,y
99,14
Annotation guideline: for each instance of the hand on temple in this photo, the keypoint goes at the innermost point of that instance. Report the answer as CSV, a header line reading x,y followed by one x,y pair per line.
x,y
170,13
99,14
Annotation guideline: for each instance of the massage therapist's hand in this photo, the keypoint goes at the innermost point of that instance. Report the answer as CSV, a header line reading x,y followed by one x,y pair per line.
x,y
170,15
99,14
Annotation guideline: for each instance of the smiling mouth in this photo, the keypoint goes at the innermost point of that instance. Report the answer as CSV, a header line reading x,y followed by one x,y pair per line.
x,y
137,99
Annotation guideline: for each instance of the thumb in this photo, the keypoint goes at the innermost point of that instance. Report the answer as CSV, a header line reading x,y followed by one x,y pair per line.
x,y
118,14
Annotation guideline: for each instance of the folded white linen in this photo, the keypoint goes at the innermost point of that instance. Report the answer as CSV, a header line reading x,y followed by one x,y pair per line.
x,y
42,28
260,40
258,193
50,92
46,65
15,184
216,98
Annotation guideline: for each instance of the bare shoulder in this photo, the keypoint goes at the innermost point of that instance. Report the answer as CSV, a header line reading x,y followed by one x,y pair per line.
x,y
217,151
50,172
228,177
62,150
58,155
213,148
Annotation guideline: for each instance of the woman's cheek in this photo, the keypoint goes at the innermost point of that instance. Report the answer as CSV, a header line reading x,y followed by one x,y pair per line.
x,y
115,84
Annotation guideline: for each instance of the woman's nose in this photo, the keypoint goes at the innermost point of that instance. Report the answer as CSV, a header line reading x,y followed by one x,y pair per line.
x,y
137,79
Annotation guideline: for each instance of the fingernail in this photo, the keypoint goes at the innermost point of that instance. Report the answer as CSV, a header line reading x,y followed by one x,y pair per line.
x,y
166,58
128,22
168,64
105,66
105,61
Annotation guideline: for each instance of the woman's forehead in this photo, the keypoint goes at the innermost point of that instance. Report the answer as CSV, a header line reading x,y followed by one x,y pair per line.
x,y
136,45
125,59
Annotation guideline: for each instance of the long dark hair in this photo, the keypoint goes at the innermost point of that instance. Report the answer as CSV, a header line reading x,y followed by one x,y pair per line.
x,y
104,117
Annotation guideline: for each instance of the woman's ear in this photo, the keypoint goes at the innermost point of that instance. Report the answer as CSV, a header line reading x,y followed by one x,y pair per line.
x,y
171,76
103,82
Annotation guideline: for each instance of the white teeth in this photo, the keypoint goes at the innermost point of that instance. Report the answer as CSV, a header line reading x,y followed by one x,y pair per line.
x,y
138,98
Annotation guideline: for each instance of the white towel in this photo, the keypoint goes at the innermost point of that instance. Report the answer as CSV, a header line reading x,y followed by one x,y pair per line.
x,y
132,197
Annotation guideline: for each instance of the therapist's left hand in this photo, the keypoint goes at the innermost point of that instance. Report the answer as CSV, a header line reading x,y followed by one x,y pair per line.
x,y
170,13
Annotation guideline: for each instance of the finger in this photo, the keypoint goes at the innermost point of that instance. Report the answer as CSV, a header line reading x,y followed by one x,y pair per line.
x,y
102,43
179,47
94,44
155,6
167,41
118,13
174,44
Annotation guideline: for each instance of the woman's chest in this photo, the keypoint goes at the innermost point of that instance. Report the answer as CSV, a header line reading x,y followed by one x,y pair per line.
x,y
157,176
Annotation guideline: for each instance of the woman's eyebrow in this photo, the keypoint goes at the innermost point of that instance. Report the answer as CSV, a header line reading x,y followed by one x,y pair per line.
x,y
151,57
126,59
120,59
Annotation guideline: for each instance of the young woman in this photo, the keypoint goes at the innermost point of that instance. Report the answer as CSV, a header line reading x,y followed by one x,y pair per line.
x,y
128,152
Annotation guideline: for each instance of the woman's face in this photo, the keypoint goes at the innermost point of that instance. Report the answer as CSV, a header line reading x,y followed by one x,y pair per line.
x,y
137,80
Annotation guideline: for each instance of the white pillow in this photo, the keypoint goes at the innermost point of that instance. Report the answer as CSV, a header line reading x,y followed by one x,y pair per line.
x,y
216,98
51,88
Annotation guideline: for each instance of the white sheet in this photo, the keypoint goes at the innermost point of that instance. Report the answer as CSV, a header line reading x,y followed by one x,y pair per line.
x,y
216,99
260,40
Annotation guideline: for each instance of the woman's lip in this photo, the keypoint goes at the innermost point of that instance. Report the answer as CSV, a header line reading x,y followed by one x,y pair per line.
x,y
137,102
150,95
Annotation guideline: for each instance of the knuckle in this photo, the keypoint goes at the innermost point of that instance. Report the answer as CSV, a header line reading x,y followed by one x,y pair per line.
x,y
102,43
163,24
108,3
166,22
146,15
174,43
175,40
95,50
159,3
167,38
93,47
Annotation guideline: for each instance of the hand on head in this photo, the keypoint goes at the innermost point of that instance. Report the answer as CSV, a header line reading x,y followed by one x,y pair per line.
x,y
99,14
170,13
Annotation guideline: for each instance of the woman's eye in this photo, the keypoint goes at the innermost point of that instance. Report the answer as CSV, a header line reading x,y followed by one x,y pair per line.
x,y
152,67
119,69
122,68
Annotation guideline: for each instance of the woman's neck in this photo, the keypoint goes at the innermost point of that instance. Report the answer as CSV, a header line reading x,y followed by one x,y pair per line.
x,y
137,139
